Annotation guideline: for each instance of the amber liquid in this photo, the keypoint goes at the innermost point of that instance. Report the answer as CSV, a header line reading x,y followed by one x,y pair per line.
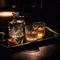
x,y
31,36
41,33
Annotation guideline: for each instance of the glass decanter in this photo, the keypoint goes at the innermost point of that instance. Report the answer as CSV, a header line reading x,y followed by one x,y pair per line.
x,y
16,27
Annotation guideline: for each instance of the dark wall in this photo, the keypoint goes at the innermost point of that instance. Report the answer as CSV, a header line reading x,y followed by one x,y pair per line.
x,y
32,10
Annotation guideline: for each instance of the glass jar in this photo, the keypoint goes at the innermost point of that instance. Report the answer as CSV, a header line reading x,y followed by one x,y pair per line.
x,y
16,27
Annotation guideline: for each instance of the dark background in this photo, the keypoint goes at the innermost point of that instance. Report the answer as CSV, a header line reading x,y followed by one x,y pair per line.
x,y
35,10
47,11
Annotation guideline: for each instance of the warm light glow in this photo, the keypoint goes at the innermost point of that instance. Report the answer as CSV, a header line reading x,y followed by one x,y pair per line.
x,y
40,36
6,14
33,53
41,32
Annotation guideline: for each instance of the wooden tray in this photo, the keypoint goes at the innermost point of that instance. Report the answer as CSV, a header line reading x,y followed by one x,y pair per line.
x,y
50,37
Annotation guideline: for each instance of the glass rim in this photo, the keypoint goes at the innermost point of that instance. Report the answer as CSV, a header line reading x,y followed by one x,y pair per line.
x,y
28,25
40,22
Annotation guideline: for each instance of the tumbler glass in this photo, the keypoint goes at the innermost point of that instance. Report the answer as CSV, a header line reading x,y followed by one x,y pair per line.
x,y
40,30
30,33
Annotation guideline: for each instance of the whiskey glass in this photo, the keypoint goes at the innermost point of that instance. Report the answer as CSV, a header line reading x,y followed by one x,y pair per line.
x,y
30,33
40,30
